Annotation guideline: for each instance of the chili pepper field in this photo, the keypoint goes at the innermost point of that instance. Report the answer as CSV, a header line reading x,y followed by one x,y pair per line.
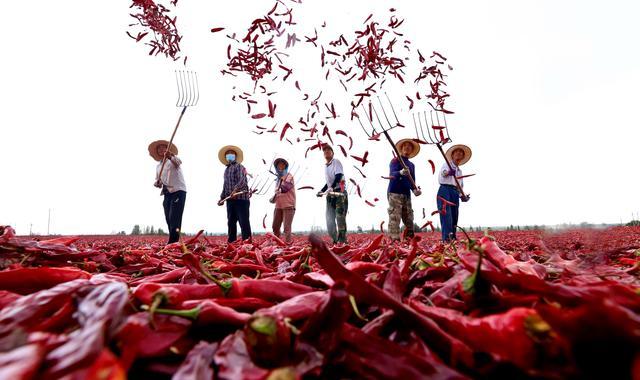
x,y
508,305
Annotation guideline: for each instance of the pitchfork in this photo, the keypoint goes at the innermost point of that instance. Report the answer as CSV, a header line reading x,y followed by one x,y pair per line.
x,y
385,130
188,96
439,138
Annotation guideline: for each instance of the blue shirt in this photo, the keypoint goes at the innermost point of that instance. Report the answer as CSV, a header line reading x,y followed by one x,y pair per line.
x,y
400,184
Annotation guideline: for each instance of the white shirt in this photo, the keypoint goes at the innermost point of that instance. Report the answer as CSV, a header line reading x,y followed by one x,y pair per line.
x,y
331,169
172,176
444,180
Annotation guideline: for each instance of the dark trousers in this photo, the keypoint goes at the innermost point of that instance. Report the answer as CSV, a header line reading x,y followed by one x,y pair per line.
x,y
449,219
238,212
173,207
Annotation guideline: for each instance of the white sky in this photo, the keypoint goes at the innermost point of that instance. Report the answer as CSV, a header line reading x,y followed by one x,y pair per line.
x,y
545,92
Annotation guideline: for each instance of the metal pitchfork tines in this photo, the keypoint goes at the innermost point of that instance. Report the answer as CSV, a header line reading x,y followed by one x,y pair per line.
x,y
188,96
380,124
263,183
440,135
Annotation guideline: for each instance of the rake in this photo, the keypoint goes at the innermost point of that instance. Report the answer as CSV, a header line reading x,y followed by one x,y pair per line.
x,y
188,96
439,138
381,129
294,169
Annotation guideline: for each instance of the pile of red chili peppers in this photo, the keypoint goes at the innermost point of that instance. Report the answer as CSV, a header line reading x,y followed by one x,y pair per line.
x,y
511,305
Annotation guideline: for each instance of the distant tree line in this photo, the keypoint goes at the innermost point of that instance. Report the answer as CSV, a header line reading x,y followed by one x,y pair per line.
x,y
147,230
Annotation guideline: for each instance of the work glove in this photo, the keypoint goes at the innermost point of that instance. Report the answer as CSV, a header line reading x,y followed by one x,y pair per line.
x,y
404,172
451,173
319,194
465,198
417,192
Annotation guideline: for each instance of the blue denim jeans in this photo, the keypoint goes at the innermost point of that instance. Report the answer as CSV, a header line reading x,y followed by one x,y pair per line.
x,y
449,220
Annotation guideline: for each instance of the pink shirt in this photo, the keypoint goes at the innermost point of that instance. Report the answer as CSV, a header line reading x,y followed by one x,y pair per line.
x,y
286,193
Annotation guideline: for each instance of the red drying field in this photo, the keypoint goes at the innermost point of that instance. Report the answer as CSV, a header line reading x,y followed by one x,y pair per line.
x,y
514,305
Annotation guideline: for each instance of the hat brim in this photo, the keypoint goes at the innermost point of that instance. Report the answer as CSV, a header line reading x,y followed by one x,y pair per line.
x,y
278,160
223,151
153,149
416,147
465,149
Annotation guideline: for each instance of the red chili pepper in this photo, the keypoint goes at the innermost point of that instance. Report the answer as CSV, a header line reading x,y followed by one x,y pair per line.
x,y
208,313
99,312
106,367
387,360
449,347
30,280
286,127
138,337
197,364
433,167
362,159
233,361
244,304
515,336
215,30
22,362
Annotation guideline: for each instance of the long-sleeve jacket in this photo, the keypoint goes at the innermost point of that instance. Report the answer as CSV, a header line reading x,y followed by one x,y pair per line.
x,y
400,184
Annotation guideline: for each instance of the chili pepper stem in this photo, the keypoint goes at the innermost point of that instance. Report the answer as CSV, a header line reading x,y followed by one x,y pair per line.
x,y
189,313
158,298
354,305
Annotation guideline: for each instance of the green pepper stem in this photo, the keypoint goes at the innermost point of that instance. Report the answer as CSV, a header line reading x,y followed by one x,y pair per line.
x,y
189,313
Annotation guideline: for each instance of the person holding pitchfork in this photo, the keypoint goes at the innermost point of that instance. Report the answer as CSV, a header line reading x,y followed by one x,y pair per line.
x,y
170,179
284,199
451,185
235,192
400,188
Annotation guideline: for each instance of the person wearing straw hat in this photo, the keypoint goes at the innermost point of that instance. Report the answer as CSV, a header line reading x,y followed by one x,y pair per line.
x,y
400,188
284,199
457,156
235,191
337,200
171,181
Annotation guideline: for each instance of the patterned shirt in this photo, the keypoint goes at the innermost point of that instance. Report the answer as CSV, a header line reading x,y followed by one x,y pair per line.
x,y
235,179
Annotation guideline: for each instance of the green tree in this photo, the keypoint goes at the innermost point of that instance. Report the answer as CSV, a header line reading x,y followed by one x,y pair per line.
x,y
136,230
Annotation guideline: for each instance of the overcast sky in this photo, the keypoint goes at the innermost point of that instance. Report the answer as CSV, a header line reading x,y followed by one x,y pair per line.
x,y
545,92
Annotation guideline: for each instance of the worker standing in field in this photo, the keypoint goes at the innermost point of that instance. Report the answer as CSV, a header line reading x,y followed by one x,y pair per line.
x,y
337,201
235,192
284,199
449,196
170,179
400,188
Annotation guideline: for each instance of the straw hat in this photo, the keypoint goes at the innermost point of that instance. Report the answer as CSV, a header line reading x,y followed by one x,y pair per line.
x,y
465,149
279,160
223,151
153,149
416,147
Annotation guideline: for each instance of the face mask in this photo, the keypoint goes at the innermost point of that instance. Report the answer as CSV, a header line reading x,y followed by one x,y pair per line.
x,y
230,157
283,172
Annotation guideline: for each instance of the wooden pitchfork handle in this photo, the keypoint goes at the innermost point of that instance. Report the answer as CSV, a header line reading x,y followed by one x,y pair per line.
x,y
404,166
444,155
164,159
221,201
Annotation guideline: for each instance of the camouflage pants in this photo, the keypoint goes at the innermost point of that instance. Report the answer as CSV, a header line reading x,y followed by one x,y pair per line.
x,y
400,209
337,213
